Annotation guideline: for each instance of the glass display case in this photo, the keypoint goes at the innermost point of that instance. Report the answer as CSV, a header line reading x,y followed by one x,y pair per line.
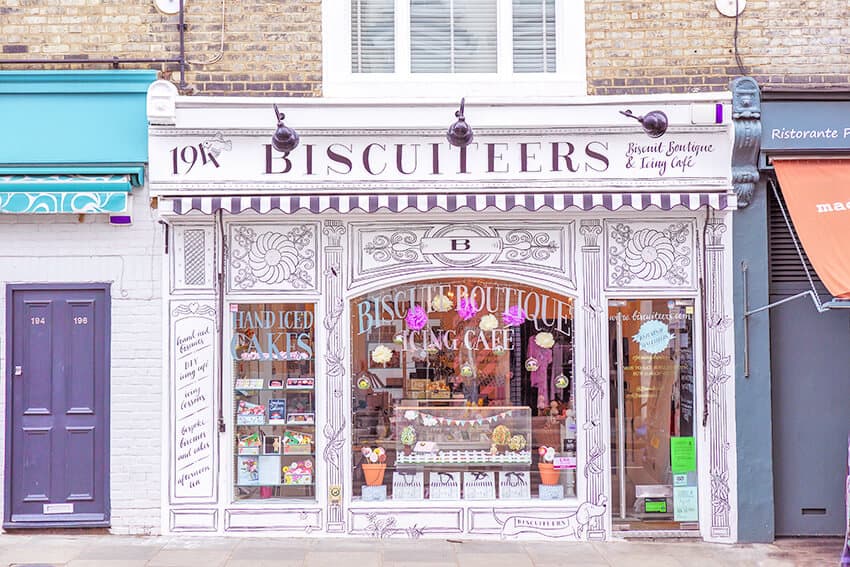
x,y
273,401
463,436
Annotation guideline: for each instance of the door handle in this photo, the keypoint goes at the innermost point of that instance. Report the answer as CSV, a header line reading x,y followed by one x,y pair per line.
x,y
19,370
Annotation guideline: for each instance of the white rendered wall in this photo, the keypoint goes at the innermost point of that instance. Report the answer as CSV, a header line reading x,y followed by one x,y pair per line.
x,y
53,248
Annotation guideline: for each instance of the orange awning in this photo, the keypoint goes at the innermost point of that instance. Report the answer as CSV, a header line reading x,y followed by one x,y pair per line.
x,y
817,192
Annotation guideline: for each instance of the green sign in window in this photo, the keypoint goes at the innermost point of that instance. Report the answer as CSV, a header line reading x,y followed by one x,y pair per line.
x,y
655,506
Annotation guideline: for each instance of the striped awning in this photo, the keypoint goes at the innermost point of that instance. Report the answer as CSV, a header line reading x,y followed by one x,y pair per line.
x,y
371,203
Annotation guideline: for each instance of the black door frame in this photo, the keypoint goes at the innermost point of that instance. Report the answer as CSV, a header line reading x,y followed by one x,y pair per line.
x,y
9,376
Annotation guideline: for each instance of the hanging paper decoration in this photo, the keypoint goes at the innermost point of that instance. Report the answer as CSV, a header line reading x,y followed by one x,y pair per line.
x,y
382,354
544,340
416,318
466,309
488,322
531,364
513,316
429,420
561,381
441,303
499,350
466,370
398,339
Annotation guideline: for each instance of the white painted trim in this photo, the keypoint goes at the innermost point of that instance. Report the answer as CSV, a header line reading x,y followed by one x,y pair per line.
x,y
339,82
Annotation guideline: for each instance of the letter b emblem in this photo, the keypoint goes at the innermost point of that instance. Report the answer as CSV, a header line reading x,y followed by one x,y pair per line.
x,y
460,244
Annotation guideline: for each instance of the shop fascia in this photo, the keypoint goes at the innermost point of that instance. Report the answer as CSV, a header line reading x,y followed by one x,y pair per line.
x,y
345,144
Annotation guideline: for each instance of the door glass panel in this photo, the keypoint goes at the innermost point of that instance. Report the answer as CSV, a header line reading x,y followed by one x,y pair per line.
x,y
274,377
654,474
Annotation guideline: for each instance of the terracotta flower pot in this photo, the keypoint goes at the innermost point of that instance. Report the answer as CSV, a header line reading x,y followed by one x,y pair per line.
x,y
548,474
374,473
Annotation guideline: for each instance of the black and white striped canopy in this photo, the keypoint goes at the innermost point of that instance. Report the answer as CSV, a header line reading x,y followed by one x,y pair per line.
x,y
371,203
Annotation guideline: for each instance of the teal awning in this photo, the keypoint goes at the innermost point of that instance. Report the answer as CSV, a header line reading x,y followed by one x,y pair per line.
x,y
47,192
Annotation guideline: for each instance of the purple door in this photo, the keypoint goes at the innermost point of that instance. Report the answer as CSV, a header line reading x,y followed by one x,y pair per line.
x,y
57,411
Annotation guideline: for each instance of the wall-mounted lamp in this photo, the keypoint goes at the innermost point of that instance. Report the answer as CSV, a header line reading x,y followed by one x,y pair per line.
x,y
285,139
460,133
654,123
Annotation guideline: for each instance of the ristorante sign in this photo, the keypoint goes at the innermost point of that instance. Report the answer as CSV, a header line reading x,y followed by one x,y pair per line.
x,y
218,157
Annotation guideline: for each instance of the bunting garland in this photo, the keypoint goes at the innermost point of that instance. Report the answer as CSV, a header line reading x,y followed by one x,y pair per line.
x,y
430,420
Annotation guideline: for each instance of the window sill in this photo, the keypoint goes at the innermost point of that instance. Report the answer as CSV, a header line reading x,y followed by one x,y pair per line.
x,y
440,87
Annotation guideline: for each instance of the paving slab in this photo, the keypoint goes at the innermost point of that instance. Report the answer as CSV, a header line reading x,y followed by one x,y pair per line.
x,y
338,558
189,558
470,559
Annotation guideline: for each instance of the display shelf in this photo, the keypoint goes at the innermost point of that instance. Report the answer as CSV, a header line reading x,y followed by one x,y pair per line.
x,y
461,436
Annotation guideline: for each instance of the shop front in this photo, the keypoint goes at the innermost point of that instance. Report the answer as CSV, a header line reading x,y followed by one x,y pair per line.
x,y
381,334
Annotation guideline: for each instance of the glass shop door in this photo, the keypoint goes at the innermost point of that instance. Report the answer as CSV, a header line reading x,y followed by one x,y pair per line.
x,y
653,472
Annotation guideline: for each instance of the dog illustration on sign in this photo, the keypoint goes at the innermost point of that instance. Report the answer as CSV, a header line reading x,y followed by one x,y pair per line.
x,y
572,526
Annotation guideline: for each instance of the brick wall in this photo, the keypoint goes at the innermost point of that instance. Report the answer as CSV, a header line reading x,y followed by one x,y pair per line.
x,y
635,46
271,47
274,47
88,249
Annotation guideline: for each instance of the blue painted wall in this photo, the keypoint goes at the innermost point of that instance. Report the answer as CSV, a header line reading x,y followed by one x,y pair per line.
x,y
74,117
752,394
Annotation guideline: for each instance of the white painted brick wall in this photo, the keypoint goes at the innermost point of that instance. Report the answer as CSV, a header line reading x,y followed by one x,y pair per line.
x,y
68,248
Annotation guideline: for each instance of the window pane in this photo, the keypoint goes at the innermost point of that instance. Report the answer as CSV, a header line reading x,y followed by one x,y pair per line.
x,y
463,388
534,36
274,437
453,36
372,36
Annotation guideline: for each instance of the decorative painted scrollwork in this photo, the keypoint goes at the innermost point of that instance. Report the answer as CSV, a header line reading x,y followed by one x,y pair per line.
x,y
523,244
401,246
649,254
273,258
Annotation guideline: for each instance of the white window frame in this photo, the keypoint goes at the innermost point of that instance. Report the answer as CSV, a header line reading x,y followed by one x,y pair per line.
x,y
570,78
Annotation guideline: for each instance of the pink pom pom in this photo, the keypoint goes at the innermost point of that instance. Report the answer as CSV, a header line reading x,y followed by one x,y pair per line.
x,y
466,309
513,316
416,318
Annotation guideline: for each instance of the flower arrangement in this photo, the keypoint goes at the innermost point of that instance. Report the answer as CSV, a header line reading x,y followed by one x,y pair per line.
x,y
501,435
374,465
488,322
513,316
376,455
382,354
408,438
466,309
517,443
416,318
548,473
441,303
544,340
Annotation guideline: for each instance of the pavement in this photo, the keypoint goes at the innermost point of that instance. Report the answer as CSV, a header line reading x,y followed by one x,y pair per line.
x,y
102,550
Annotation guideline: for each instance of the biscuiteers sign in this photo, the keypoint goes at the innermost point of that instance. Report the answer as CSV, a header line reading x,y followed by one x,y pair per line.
x,y
222,157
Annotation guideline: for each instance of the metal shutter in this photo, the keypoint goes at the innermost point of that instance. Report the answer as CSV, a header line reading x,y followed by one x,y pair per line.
x,y
787,275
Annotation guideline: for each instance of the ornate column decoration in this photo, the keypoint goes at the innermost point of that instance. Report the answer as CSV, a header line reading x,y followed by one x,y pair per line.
x,y
335,387
746,116
593,413
719,389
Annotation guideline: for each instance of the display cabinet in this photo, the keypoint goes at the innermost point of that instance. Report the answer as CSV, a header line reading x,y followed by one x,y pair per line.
x,y
274,402
462,436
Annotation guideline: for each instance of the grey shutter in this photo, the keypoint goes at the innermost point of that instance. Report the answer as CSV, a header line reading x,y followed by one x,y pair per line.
x,y
787,275
372,36
534,36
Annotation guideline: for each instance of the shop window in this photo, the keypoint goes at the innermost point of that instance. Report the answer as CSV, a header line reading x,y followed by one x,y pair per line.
x,y
272,348
463,389
406,46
